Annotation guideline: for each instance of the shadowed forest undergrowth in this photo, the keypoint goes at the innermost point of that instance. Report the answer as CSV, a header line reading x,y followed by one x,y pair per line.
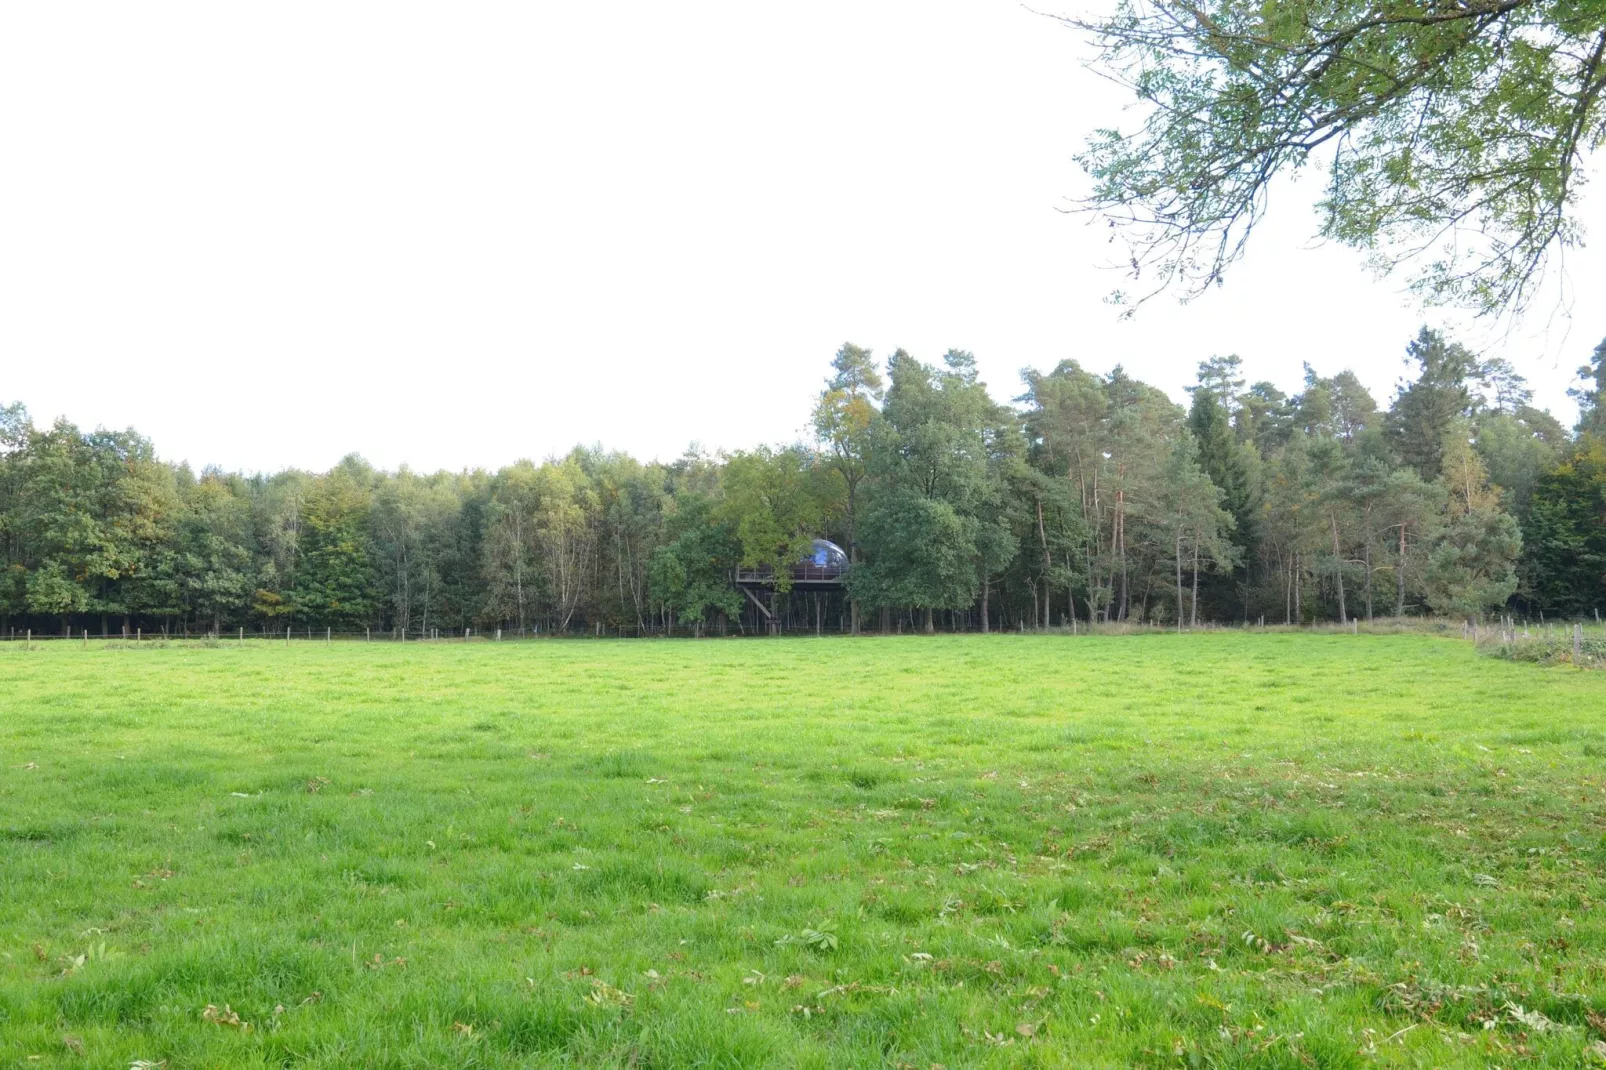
x,y
1229,848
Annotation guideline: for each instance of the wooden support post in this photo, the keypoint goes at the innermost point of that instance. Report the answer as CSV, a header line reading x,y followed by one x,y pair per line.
x,y
27,644
328,636
86,638
287,635
762,608
242,635
368,634
498,635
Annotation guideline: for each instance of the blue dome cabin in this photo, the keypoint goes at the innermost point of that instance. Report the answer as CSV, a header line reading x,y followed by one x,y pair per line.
x,y
816,590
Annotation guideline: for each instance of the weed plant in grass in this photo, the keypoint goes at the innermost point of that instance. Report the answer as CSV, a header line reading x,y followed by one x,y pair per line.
x,y
1224,849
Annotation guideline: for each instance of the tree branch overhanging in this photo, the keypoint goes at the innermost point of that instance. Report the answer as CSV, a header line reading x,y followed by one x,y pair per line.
x,y
1450,133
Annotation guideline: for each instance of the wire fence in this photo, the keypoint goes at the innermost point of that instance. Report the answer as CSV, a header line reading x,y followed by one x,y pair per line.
x,y
1508,630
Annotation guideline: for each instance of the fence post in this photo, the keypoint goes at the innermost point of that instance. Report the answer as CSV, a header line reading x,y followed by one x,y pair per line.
x,y
368,633
86,638
498,635
286,635
139,635
328,635
242,635
27,644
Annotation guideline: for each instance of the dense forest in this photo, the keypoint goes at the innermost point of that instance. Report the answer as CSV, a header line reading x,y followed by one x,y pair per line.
x,y
1090,498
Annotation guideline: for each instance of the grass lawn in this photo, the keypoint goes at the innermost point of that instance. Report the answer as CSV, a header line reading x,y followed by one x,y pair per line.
x,y
1216,849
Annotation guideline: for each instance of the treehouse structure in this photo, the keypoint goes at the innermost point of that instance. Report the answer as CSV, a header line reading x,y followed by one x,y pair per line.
x,y
818,578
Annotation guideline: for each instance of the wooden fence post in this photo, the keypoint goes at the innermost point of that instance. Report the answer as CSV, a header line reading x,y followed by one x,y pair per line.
x,y
242,635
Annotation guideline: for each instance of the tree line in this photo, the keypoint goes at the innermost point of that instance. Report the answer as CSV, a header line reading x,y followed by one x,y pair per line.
x,y
1089,498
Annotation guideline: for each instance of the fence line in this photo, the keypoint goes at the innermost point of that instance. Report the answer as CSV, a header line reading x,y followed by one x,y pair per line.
x,y
1507,628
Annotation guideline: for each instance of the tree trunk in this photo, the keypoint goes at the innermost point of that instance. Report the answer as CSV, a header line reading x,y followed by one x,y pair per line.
x,y
1048,562
1070,595
1338,571
1368,561
1193,605
1399,578
930,626
1288,593
518,569
986,589
1299,601
1179,581
853,546
1120,520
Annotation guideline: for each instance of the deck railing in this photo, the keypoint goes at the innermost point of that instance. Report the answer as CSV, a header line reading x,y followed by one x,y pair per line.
x,y
803,572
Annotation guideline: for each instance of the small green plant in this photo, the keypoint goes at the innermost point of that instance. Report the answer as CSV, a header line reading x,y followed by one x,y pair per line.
x,y
819,939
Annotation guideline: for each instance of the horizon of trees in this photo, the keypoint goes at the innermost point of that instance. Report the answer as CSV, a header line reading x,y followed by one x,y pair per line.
x,y
1087,498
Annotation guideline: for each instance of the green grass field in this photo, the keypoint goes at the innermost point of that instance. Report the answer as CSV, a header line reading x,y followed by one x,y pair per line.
x,y
1217,849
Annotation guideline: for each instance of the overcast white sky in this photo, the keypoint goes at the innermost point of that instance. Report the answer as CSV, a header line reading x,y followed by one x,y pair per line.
x,y
453,235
